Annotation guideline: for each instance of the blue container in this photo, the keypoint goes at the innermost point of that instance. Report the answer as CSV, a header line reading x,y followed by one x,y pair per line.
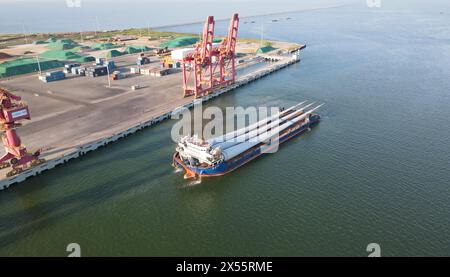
x,y
56,75
52,76
111,65
142,61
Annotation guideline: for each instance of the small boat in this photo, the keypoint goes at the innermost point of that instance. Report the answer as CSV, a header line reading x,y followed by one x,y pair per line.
x,y
223,154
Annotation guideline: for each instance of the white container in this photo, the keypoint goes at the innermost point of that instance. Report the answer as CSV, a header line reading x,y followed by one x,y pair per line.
x,y
180,54
146,71
135,70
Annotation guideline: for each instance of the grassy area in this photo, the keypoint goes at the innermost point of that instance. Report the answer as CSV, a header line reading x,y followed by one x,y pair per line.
x,y
140,32
254,40
15,39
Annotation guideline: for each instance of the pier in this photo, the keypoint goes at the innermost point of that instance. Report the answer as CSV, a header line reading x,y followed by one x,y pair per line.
x,y
63,153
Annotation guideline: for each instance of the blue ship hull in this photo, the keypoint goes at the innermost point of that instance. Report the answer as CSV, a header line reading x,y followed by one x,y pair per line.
x,y
231,165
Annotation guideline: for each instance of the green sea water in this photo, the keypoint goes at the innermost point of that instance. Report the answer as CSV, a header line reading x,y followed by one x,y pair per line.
x,y
376,169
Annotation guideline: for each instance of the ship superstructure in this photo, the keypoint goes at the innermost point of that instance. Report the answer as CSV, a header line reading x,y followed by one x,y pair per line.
x,y
225,153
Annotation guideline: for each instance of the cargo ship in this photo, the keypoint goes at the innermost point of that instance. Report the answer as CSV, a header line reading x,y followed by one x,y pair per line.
x,y
220,155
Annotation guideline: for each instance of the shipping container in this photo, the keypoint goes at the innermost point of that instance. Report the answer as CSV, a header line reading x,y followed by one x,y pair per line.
x,y
116,75
98,61
75,70
135,70
145,71
70,65
52,76
142,61
96,71
156,72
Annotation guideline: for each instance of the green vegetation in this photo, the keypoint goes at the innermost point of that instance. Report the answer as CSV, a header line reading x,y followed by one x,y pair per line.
x,y
140,32
265,49
26,65
104,46
84,59
267,44
65,56
62,44
114,53
183,41
16,39
136,49
179,42
252,40
80,48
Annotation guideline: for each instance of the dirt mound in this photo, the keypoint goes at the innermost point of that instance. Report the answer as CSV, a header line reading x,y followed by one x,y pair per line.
x,y
4,56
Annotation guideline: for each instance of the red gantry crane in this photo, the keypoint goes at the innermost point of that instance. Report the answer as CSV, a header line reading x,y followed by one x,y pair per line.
x,y
12,111
209,65
227,52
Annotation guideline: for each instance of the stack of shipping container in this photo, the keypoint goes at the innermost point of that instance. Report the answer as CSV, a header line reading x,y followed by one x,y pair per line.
x,y
99,70
142,60
52,76
68,67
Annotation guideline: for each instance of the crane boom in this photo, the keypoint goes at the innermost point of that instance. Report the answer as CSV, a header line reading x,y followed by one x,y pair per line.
x,y
199,64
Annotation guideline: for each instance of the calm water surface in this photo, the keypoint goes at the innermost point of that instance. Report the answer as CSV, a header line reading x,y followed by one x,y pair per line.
x,y
375,170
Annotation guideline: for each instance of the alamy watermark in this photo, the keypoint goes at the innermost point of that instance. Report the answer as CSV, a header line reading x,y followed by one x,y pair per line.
x,y
235,118
73,3
74,250
373,3
374,250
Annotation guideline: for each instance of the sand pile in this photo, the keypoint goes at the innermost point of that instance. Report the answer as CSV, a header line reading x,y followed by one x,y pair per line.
x,y
4,56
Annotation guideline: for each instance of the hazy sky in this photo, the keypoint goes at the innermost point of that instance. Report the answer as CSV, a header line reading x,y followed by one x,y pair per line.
x,y
58,15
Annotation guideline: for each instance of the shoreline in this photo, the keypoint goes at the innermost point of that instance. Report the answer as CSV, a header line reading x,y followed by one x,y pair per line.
x,y
159,27
64,153
248,16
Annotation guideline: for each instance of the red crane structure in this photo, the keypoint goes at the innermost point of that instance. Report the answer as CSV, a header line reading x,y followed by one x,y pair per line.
x,y
227,52
209,65
12,111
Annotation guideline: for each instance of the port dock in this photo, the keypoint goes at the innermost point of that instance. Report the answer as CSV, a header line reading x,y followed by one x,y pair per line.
x,y
98,126
128,88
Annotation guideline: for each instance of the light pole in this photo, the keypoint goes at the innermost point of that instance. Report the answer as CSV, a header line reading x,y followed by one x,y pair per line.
x,y
96,23
107,71
81,35
39,65
262,34
24,34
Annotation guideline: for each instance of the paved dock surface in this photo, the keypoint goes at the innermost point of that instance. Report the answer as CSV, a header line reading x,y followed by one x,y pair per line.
x,y
70,113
